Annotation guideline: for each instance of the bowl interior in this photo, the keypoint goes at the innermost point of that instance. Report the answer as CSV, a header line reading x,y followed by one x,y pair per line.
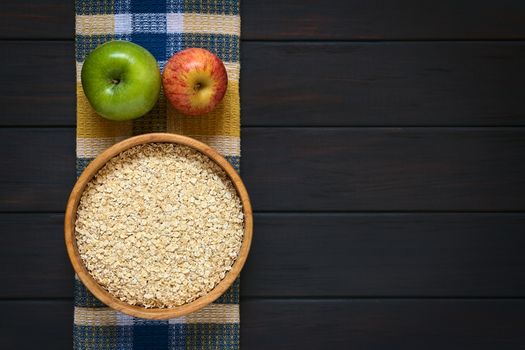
x,y
101,293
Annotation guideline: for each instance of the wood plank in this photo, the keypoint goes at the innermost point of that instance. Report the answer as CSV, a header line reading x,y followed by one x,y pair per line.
x,y
305,84
322,255
39,168
405,19
383,324
323,169
33,256
308,19
400,255
384,169
383,84
39,83
43,325
315,324
37,19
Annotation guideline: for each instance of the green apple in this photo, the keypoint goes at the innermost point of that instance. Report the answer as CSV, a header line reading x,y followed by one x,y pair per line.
x,y
121,80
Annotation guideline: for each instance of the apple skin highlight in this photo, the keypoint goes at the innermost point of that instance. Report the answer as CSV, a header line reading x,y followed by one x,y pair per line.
x,y
195,81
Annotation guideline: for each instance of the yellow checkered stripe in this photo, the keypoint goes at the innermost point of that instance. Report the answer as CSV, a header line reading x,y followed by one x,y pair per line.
x,y
105,24
104,316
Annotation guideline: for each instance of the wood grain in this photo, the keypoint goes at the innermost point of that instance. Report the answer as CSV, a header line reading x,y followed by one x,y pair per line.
x,y
323,169
46,325
383,84
315,324
379,20
385,169
317,255
41,165
38,83
385,255
311,84
34,257
37,19
310,19
383,324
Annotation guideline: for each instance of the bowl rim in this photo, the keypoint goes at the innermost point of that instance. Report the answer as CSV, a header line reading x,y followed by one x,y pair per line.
x,y
70,217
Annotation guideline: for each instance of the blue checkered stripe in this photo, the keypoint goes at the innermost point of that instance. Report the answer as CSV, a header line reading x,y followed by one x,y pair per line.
x,y
163,45
98,327
159,27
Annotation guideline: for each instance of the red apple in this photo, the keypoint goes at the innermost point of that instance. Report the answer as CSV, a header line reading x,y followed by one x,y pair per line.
x,y
195,81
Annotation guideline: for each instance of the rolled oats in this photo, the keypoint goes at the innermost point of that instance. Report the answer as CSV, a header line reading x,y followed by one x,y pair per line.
x,y
159,225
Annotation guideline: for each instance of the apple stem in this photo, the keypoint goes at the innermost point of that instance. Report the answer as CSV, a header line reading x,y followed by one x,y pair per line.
x,y
115,81
197,86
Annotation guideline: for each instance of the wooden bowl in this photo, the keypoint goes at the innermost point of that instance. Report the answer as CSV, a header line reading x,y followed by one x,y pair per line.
x,y
101,293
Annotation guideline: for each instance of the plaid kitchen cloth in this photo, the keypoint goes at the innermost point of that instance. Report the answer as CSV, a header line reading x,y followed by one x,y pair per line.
x,y
164,27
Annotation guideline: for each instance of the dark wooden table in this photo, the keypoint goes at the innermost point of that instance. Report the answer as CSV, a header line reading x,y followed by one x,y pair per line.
x,y
384,148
